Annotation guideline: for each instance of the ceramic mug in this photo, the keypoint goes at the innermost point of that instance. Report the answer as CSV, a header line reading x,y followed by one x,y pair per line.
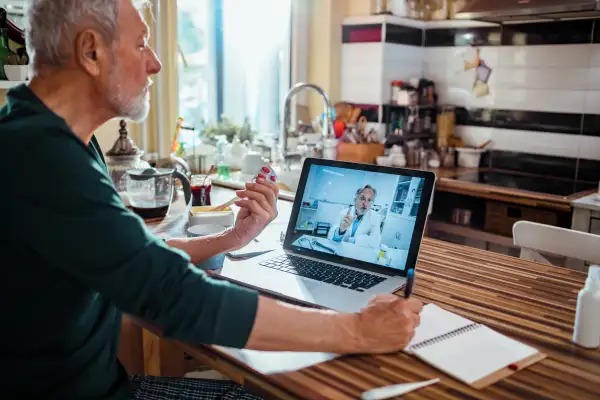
x,y
253,161
215,262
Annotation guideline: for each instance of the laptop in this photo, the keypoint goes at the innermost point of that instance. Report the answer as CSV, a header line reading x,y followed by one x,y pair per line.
x,y
355,230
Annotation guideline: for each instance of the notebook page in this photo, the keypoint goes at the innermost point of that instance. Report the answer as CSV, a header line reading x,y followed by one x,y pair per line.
x,y
275,362
474,354
435,321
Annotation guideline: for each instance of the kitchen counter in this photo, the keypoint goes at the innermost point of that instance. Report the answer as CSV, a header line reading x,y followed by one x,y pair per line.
x,y
504,194
445,183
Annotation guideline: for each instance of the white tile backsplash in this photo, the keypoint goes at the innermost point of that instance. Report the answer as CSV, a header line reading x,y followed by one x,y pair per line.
x,y
589,147
552,144
464,97
592,102
568,101
474,135
544,78
594,55
572,55
552,78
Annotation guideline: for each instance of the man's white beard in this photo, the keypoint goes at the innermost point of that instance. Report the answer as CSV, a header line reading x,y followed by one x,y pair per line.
x,y
136,108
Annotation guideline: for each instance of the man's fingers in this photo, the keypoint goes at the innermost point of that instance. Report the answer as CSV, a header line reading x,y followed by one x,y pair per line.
x,y
414,305
259,197
267,188
253,206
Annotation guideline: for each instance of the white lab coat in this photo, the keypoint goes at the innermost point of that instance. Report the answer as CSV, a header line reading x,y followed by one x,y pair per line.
x,y
368,233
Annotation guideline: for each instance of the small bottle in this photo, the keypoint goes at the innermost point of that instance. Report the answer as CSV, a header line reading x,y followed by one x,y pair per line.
x,y
586,332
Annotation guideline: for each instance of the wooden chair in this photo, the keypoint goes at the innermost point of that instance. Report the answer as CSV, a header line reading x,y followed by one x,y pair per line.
x,y
534,239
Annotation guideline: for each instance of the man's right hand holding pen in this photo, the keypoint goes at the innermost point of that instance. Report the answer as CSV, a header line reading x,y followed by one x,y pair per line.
x,y
387,324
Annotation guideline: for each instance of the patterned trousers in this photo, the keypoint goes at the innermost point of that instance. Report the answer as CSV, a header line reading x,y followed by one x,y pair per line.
x,y
167,388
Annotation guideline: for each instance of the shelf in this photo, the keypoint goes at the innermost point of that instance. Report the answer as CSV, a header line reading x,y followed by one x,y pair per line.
x,y
10,84
471,233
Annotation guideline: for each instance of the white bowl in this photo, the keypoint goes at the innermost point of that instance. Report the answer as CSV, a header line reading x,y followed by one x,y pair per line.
x,y
399,161
222,218
384,161
16,72
205,230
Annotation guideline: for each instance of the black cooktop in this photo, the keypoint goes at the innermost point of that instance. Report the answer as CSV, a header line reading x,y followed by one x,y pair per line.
x,y
539,184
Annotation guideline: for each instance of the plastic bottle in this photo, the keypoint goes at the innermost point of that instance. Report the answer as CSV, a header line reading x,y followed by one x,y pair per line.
x,y
221,159
586,332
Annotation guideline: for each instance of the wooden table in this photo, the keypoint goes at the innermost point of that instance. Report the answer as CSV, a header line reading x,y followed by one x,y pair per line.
x,y
530,302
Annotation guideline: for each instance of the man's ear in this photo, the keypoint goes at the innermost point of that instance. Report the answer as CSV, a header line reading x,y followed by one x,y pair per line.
x,y
90,52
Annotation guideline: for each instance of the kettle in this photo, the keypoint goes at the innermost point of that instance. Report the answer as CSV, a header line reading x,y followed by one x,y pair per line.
x,y
150,190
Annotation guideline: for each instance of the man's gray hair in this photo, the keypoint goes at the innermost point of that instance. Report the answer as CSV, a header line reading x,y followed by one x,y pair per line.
x,y
359,191
52,26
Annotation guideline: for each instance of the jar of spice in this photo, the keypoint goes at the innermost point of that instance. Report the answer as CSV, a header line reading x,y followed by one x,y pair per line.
x,y
396,89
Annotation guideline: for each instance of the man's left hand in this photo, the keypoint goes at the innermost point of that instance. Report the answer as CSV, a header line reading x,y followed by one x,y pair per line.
x,y
258,207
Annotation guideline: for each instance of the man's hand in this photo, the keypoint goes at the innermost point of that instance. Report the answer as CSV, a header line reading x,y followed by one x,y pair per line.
x,y
258,207
346,222
387,324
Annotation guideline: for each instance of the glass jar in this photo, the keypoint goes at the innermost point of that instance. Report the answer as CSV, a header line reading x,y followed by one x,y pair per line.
x,y
201,188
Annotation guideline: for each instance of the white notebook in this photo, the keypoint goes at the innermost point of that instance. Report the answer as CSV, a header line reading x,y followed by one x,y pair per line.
x,y
463,349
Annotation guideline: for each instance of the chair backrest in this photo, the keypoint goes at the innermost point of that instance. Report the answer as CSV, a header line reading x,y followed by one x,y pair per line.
x,y
534,238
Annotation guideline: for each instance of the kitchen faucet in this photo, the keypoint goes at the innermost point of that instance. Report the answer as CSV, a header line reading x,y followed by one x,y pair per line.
x,y
287,157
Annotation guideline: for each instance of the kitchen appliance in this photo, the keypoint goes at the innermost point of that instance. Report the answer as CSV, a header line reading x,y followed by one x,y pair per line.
x,y
150,190
529,182
507,10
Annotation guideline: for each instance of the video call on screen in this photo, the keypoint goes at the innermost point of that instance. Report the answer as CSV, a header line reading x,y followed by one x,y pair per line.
x,y
366,216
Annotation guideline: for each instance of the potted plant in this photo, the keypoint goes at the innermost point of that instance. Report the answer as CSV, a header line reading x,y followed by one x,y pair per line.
x,y
226,127
16,67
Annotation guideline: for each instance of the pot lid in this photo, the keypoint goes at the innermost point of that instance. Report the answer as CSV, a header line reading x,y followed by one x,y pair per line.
x,y
124,146
143,174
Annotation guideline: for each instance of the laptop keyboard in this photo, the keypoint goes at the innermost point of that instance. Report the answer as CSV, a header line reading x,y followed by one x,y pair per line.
x,y
343,277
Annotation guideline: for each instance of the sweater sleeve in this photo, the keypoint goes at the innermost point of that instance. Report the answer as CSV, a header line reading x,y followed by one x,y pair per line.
x,y
74,218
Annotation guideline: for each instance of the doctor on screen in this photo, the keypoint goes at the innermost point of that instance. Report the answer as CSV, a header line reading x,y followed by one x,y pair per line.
x,y
358,224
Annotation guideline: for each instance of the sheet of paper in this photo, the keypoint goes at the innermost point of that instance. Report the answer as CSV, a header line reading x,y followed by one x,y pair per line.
x,y
274,362
475,354
435,321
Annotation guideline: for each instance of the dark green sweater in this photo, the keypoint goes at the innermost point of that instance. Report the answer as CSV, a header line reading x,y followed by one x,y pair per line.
x,y
72,258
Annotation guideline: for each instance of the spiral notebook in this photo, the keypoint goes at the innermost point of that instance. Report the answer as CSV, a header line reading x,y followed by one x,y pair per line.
x,y
468,351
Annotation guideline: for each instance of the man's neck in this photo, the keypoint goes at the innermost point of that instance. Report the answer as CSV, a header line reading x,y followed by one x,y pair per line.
x,y
72,99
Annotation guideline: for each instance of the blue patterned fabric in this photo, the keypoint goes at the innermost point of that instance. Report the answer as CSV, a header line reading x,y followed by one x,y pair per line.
x,y
168,388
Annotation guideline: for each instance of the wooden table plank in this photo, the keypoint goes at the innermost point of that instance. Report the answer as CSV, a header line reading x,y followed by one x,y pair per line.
x,y
530,302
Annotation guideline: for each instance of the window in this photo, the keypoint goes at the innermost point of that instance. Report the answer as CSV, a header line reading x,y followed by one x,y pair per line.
x,y
234,61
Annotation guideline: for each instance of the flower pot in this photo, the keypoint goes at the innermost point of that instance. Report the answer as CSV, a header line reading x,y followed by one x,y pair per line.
x,y
16,72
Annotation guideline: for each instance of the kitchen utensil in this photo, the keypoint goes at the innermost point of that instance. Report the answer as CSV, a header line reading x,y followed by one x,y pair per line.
x,y
362,125
223,206
387,392
469,157
150,191
461,216
484,145
123,156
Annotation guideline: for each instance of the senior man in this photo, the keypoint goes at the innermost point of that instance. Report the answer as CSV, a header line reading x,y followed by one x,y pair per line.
x,y
74,257
358,224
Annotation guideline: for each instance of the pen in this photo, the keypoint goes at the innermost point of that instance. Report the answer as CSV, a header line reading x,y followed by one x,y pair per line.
x,y
409,283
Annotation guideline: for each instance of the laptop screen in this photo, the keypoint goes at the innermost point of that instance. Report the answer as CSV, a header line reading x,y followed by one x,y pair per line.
x,y
358,215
